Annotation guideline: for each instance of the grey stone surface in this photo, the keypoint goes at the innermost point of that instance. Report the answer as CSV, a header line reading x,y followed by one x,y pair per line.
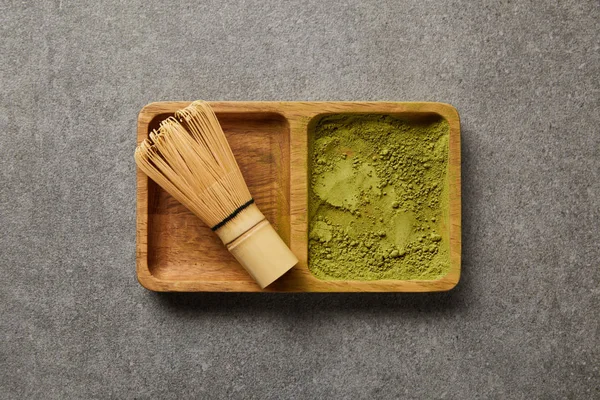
x,y
523,322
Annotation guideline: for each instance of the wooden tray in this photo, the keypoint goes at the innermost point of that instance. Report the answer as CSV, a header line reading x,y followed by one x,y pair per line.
x,y
177,252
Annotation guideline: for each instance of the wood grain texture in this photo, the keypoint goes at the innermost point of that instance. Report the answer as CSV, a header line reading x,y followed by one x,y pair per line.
x,y
177,252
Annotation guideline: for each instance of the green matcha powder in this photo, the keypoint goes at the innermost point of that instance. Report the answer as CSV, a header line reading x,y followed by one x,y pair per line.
x,y
378,198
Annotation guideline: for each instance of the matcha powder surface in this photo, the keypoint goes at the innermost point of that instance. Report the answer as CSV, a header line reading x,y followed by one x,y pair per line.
x,y
378,201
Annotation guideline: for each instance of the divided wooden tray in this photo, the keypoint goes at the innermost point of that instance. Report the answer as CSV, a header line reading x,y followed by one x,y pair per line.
x,y
177,252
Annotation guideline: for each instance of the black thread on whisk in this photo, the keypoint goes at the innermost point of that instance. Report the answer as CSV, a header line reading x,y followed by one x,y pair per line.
x,y
232,215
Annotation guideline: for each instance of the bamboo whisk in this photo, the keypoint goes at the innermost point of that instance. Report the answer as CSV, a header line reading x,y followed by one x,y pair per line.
x,y
189,157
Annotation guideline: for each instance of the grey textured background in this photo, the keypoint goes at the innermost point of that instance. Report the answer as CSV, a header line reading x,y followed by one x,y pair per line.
x,y
523,322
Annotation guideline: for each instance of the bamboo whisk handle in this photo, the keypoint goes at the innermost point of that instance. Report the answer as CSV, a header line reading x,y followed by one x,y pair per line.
x,y
255,244
263,253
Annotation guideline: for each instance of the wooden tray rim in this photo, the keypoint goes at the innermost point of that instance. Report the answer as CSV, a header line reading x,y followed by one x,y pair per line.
x,y
299,115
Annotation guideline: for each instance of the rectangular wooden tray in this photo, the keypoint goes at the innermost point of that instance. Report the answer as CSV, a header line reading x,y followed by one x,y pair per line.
x,y
177,252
